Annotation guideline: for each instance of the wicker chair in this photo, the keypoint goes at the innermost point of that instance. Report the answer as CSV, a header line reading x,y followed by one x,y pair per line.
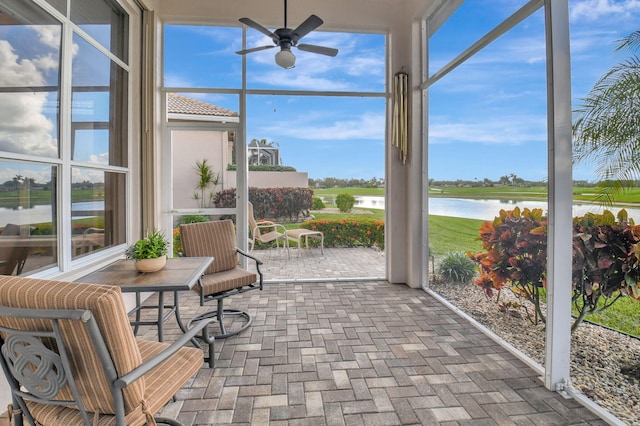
x,y
223,278
71,358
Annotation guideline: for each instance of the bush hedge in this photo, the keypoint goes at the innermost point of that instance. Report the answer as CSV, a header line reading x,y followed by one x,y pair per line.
x,y
264,168
349,232
345,202
317,203
273,203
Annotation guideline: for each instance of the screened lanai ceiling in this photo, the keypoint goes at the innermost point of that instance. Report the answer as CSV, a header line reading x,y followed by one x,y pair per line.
x,y
346,15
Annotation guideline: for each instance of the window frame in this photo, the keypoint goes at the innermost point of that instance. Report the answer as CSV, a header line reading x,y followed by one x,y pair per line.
x,y
67,265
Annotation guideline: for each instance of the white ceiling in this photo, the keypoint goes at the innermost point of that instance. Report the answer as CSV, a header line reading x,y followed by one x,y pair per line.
x,y
338,15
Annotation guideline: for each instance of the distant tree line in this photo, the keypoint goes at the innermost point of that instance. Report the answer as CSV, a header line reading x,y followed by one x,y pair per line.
x,y
332,182
22,182
506,180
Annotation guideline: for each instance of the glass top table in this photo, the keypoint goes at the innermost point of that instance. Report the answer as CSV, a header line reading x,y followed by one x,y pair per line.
x,y
179,274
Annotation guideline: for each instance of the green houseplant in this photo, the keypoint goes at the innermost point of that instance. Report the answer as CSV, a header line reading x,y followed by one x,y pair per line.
x,y
149,253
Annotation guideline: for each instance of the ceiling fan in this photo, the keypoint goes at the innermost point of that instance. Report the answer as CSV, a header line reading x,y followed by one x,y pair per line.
x,y
286,38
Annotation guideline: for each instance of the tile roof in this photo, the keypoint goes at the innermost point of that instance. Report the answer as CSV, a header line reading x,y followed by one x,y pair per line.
x,y
179,104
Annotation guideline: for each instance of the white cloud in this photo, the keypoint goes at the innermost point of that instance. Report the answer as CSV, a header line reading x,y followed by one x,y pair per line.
x,y
46,63
593,10
173,80
363,126
510,130
353,67
49,35
23,127
102,158
90,175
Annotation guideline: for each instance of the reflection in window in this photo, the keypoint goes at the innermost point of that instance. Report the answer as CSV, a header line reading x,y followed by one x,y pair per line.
x,y
35,178
30,79
28,236
91,145
98,216
105,21
98,112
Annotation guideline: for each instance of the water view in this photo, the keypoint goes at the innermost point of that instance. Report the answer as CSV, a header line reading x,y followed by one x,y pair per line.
x,y
486,209
43,213
454,207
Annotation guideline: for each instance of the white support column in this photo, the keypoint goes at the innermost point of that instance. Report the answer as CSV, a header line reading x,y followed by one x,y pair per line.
x,y
242,165
558,341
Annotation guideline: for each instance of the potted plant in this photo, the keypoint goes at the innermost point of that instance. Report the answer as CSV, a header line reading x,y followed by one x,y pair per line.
x,y
150,253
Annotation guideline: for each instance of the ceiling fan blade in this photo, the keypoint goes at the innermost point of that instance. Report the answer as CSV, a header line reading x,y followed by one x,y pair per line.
x,y
310,24
329,51
254,49
253,24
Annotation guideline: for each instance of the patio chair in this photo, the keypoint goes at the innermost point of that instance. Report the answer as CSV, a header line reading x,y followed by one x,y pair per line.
x,y
70,357
12,257
224,278
266,231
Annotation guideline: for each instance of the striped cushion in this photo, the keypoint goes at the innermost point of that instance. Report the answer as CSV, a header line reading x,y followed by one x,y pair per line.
x,y
105,303
216,239
161,384
226,280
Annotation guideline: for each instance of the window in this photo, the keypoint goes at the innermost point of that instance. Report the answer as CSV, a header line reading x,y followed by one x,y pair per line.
x,y
51,165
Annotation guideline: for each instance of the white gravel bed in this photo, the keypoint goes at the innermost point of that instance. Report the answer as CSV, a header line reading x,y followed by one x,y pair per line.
x,y
605,364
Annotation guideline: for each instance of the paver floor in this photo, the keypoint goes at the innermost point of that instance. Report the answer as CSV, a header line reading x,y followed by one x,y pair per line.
x,y
361,353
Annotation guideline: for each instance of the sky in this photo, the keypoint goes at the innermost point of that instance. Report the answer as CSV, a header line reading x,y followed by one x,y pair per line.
x,y
487,118
323,136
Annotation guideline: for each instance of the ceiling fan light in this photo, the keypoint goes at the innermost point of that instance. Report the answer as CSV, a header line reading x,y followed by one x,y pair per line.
x,y
285,58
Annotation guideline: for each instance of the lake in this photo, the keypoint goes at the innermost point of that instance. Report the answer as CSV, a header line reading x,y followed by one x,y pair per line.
x,y
455,207
486,209
43,214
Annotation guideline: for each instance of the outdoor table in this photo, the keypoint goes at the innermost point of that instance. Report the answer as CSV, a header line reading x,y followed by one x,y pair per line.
x,y
179,274
296,235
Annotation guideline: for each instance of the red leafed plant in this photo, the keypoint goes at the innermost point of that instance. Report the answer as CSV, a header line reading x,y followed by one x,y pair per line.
x,y
606,262
515,255
606,259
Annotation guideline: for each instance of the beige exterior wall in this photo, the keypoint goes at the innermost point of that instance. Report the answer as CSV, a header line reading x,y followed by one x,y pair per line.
x,y
275,179
190,146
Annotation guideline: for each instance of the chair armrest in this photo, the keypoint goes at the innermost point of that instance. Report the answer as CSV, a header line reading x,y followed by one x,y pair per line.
x,y
152,363
258,263
245,254
269,225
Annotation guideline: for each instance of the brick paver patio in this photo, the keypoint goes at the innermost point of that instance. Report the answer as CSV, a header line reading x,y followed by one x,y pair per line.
x,y
360,353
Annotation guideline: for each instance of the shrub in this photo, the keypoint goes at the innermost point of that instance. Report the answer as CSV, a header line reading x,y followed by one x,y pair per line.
x,y
193,218
264,168
349,232
606,262
606,259
345,202
177,242
457,267
318,204
515,255
275,203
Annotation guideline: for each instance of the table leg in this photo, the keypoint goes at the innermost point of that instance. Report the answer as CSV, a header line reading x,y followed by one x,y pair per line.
x,y
137,325
160,316
178,319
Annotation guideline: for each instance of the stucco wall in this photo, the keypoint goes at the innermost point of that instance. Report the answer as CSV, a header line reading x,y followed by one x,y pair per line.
x,y
273,179
190,146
